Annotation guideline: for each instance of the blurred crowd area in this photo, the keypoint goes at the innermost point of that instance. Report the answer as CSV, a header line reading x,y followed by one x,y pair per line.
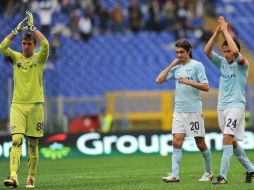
x,y
85,18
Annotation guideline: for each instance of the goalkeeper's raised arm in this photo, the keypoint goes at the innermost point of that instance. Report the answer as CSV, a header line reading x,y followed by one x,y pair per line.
x,y
31,27
44,50
27,24
4,46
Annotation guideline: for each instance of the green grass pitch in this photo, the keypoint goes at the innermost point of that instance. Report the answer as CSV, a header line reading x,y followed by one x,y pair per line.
x,y
133,172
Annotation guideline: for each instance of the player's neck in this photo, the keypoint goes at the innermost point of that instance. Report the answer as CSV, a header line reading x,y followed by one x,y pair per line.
x,y
27,55
187,61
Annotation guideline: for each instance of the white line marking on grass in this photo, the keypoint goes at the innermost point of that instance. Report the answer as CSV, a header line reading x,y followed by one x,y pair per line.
x,y
95,177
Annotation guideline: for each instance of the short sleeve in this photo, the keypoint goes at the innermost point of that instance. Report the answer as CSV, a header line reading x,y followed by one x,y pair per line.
x,y
171,73
216,59
201,75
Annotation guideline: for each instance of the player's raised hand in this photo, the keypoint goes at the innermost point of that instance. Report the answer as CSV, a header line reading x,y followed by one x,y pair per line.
x,y
218,28
30,18
21,26
30,21
222,23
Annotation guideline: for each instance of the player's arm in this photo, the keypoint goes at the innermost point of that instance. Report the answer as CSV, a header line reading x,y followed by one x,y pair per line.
x,y
197,85
211,42
200,86
162,77
241,60
44,49
11,36
30,22
231,44
4,46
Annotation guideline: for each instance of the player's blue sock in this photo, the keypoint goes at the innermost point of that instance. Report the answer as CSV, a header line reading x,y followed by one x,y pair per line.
x,y
243,159
176,159
225,160
208,161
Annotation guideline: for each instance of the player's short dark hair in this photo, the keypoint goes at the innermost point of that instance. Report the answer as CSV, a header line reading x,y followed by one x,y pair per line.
x,y
185,44
225,43
29,36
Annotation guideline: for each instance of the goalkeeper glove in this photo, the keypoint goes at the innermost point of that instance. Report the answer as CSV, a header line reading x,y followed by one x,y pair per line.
x,y
21,26
30,21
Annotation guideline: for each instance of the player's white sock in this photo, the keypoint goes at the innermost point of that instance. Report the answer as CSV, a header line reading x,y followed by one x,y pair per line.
x,y
208,161
243,159
176,159
225,160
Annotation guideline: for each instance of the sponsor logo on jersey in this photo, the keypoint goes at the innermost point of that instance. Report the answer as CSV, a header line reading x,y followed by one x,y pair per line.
x,y
20,66
227,76
12,128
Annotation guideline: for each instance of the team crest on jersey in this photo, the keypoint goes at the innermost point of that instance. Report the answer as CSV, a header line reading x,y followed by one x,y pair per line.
x,y
12,128
188,71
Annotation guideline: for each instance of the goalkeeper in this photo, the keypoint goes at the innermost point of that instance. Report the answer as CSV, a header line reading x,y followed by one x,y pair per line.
x,y
26,112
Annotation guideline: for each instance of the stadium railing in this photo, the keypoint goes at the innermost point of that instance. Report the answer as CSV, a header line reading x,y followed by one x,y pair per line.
x,y
59,110
144,110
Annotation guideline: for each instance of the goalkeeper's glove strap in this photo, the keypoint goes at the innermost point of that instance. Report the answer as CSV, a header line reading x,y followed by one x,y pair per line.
x,y
32,28
15,31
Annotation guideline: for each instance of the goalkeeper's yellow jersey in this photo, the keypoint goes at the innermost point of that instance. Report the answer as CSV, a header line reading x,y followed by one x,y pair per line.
x,y
27,72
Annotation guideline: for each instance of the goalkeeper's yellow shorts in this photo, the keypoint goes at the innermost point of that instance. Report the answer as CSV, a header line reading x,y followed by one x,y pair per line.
x,y
27,119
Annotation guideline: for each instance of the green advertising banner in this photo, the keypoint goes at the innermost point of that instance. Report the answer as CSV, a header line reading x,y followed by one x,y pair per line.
x,y
63,145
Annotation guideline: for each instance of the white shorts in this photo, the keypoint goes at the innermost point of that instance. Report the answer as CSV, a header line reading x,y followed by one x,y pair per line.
x,y
232,121
191,124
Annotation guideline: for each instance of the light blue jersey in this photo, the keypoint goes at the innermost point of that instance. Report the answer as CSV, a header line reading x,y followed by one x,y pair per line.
x,y
232,82
187,98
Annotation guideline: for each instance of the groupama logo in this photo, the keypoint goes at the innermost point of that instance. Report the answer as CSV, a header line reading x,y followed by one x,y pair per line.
x,y
56,150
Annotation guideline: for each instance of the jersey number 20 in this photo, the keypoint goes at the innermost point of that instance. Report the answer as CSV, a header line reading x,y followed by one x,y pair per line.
x,y
194,125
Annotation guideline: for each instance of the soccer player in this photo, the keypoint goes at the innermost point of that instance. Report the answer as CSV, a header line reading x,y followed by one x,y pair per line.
x,y
190,78
231,104
26,112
